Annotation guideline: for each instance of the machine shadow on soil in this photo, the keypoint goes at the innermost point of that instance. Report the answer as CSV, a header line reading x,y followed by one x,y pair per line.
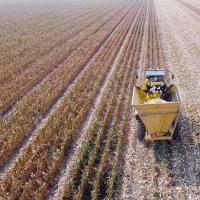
x,y
179,155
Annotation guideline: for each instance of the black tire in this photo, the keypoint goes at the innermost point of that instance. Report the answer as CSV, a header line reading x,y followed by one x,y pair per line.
x,y
139,128
177,131
136,75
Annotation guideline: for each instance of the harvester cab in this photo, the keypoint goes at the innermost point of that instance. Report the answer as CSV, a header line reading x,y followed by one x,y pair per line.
x,y
157,104
155,81
156,85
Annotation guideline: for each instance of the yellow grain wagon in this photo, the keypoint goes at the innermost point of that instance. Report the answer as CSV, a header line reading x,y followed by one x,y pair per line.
x,y
160,116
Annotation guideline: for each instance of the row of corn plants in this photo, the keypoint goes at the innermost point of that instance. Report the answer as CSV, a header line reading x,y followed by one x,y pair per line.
x,y
80,184
18,57
116,168
45,154
104,181
19,60
35,105
85,182
160,55
155,55
13,91
86,173
37,28
28,19
150,40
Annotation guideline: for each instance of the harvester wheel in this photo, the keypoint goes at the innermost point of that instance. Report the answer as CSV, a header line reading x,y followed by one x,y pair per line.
x,y
177,131
139,128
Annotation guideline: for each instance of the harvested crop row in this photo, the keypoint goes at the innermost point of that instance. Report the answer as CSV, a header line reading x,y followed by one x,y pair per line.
x,y
159,166
109,129
48,64
183,157
162,160
54,142
47,39
28,114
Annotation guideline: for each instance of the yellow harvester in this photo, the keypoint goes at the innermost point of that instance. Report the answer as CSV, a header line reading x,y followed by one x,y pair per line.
x,y
157,105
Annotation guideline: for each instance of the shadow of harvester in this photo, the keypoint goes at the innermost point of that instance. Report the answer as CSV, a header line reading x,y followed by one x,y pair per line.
x,y
181,156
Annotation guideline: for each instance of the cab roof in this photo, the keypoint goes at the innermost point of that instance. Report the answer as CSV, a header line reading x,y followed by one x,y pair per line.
x,y
155,72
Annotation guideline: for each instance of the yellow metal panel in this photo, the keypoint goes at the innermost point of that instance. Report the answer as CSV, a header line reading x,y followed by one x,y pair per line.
x,y
168,107
158,138
138,96
157,122
157,118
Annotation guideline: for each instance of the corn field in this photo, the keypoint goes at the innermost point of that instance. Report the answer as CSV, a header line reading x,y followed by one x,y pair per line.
x,y
67,125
